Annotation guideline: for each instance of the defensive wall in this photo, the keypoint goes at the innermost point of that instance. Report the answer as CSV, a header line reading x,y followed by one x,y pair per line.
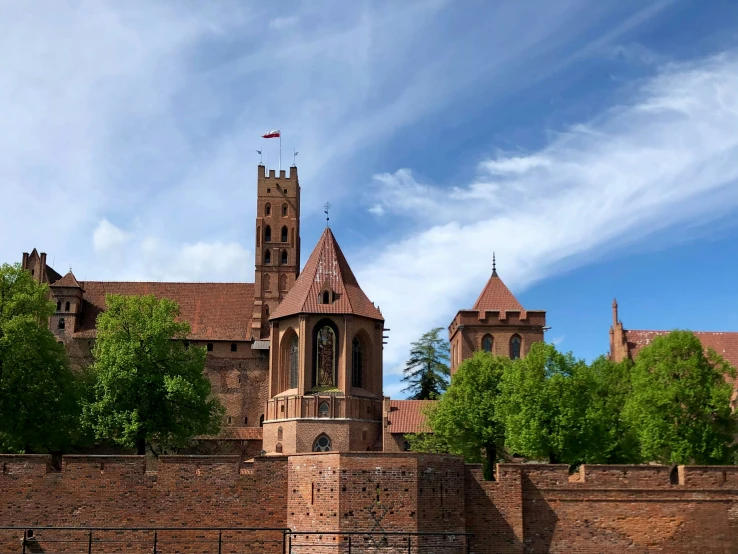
x,y
528,508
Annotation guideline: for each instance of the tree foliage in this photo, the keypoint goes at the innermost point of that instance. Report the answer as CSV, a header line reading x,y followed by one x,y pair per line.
x,y
427,372
680,404
38,392
149,386
464,421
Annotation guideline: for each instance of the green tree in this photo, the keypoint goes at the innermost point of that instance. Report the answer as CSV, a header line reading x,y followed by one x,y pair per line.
x,y
464,421
558,408
680,405
149,386
427,372
38,392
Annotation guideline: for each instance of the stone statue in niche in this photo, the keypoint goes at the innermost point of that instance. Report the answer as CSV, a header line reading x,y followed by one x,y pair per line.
x,y
326,357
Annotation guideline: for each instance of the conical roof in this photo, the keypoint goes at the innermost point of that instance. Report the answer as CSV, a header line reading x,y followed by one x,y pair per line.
x,y
497,297
69,280
326,270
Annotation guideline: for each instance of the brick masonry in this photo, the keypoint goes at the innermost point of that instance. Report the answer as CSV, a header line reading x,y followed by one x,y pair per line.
x,y
528,509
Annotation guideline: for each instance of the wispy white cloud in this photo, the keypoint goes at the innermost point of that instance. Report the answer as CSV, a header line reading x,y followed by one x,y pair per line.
x,y
667,156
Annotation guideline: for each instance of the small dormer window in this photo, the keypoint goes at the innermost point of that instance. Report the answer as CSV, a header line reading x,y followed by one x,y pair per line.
x,y
326,297
66,307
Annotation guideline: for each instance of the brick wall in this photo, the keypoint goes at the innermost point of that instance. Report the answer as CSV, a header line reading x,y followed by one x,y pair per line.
x,y
528,508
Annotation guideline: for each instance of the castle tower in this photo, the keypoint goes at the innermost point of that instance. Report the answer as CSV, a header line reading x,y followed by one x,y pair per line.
x,y
277,249
497,323
325,367
67,294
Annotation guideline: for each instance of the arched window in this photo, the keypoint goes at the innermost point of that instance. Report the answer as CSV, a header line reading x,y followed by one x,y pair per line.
x,y
58,306
324,410
267,282
61,323
267,209
357,362
283,257
66,306
284,210
326,299
515,347
280,434
268,257
278,448
294,362
267,234
322,444
284,234
487,343
283,282
326,344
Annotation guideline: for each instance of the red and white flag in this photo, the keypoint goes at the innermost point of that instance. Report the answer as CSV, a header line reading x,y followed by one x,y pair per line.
x,y
271,134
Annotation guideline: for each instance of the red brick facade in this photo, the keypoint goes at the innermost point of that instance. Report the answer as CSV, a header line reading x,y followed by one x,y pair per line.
x,y
528,509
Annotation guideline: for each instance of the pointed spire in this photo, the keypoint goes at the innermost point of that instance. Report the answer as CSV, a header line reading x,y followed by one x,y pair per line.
x,y
494,266
496,296
69,280
327,275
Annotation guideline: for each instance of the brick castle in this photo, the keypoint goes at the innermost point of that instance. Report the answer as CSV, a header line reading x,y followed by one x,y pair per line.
x,y
296,359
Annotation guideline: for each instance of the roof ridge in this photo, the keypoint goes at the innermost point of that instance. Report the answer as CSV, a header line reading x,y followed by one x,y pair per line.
x,y
172,282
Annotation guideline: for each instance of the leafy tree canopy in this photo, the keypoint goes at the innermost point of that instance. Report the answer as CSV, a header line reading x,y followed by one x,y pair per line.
x,y
427,372
464,421
680,404
149,386
38,392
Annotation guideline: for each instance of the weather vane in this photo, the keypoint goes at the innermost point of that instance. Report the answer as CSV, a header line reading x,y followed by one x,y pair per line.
x,y
294,158
327,207
260,157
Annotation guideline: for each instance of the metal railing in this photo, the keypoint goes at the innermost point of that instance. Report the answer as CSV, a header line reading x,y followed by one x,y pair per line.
x,y
224,540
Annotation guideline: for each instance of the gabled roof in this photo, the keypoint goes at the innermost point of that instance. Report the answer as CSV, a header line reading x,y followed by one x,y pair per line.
x,y
406,416
725,344
69,280
497,297
326,269
215,311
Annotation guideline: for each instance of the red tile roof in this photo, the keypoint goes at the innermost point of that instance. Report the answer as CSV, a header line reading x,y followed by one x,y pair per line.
x,y
725,344
406,416
326,268
68,280
497,297
215,311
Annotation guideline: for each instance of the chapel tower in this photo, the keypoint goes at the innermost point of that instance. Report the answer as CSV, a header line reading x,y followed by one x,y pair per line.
x,y
497,323
277,250
325,363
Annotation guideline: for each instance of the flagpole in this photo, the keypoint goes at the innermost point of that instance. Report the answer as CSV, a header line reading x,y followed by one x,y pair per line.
x,y
280,150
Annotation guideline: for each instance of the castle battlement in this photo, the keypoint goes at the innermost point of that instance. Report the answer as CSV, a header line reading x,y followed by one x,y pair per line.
x,y
283,173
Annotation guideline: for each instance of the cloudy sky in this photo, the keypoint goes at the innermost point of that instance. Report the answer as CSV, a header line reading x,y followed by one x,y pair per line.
x,y
592,145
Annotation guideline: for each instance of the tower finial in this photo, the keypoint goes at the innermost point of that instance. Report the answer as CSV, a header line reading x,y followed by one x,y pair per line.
x,y
327,207
494,265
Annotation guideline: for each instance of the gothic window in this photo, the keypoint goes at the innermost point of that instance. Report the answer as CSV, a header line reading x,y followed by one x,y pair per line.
x,y
515,347
278,448
487,343
357,362
61,323
261,420
326,297
325,356
322,444
284,210
66,307
267,234
58,306
294,361
284,234
267,282
268,257
268,209
324,409
283,282
283,259
280,434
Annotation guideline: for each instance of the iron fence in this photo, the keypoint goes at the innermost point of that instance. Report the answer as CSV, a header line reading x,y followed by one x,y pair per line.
x,y
224,540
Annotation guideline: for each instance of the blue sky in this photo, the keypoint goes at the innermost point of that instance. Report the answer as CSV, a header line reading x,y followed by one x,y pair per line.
x,y
592,145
